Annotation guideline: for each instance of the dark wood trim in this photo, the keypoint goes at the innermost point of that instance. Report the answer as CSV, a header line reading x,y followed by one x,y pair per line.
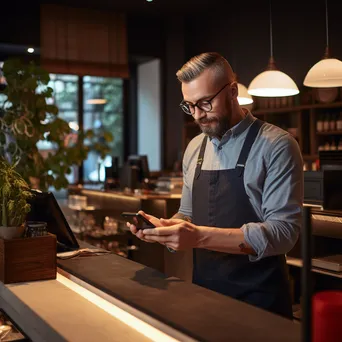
x,y
80,123
130,113
85,68
286,110
162,113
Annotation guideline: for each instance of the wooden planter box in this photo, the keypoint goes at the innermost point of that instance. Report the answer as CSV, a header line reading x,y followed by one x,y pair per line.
x,y
28,259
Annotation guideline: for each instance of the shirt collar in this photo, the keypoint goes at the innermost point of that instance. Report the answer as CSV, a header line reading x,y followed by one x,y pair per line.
x,y
241,126
236,130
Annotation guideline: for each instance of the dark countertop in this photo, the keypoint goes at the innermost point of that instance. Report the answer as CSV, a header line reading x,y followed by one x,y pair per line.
x,y
195,311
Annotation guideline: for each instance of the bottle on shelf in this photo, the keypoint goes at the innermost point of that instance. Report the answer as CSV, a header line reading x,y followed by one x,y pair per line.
x,y
321,147
326,122
339,147
339,122
327,146
332,123
319,124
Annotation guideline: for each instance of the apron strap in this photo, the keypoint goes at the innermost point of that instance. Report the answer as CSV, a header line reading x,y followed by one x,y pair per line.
x,y
249,141
201,157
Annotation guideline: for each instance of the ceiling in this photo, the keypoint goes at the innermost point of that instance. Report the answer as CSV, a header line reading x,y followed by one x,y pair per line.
x,y
142,6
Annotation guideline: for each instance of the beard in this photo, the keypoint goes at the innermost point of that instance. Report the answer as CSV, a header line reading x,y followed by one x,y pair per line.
x,y
214,126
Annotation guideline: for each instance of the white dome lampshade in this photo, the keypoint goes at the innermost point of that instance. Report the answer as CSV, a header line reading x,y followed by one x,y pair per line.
x,y
243,98
326,73
272,83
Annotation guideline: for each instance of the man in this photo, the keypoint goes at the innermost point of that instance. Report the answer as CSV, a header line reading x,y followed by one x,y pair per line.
x,y
241,206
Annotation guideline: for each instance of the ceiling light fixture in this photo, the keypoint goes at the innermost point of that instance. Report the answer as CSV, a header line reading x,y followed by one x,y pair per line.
x,y
326,73
96,101
243,98
30,50
272,82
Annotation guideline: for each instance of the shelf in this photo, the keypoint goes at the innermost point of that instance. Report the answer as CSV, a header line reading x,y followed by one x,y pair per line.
x,y
299,263
297,108
310,156
329,133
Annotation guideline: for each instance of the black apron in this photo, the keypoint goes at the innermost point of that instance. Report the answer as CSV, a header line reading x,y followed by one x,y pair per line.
x,y
219,199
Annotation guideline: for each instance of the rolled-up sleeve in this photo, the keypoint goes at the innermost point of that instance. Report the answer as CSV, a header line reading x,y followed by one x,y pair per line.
x,y
186,200
282,201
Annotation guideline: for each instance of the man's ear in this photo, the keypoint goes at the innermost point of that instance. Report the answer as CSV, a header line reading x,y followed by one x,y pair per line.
x,y
234,89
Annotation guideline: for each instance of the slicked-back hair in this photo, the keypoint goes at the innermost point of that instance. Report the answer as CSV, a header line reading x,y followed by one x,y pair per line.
x,y
208,60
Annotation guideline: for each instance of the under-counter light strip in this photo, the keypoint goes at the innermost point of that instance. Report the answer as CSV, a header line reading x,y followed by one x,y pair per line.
x,y
125,317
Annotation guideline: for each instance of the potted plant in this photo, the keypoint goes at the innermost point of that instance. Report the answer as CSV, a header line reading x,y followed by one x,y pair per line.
x,y
14,194
28,116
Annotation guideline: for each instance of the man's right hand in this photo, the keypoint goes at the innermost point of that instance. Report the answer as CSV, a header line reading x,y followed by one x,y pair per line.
x,y
139,232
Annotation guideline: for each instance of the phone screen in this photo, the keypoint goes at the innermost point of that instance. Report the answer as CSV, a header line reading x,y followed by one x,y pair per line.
x,y
138,220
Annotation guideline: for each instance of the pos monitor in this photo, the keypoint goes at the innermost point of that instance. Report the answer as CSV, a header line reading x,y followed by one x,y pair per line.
x,y
44,207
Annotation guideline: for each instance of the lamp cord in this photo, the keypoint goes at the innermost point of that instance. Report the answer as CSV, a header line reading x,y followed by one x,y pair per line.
x,y
271,34
326,22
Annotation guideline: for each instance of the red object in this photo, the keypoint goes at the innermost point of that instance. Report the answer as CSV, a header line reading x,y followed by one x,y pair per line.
x,y
327,316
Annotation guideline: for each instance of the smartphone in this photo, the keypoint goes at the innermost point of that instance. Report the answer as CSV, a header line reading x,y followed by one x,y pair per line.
x,y
138,220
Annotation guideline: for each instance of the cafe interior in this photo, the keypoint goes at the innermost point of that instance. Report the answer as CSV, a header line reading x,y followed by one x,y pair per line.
x,y
90,111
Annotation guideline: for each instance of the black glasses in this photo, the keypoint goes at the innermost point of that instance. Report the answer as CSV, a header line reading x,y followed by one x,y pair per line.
x,y
204,105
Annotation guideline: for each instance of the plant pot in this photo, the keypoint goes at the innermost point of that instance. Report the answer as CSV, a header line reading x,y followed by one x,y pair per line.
x,y
28,259
11,232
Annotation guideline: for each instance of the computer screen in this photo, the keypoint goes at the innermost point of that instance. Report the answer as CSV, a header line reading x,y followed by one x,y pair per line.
x,y
44,207
141,162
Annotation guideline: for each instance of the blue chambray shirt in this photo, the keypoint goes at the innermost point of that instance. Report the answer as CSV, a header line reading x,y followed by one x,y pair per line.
x,y
273,178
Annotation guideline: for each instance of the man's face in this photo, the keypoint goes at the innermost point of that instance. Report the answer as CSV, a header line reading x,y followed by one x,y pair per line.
x,y
216,121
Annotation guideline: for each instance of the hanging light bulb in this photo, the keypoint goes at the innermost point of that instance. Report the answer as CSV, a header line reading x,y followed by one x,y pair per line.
x,y
326,73
272,82
243,98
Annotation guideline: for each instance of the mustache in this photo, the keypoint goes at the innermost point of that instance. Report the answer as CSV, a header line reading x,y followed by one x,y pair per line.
x,y
205,120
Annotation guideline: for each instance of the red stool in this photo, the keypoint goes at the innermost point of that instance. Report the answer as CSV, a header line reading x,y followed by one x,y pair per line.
x,y
327,316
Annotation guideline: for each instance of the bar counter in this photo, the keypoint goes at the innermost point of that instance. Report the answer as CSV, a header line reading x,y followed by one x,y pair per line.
x,y
180,311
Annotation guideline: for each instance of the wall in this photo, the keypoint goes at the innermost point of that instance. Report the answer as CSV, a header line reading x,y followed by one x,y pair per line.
x,y
173,115
149,113
241,33
145,34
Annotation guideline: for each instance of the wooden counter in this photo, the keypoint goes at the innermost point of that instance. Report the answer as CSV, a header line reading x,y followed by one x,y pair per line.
x,y
51,311
110,203
199,313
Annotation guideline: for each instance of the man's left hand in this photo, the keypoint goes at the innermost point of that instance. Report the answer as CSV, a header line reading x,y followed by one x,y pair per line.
x,y
176,234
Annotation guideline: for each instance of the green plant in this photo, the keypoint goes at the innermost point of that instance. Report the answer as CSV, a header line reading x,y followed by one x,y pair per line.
x,y
28,116
14,195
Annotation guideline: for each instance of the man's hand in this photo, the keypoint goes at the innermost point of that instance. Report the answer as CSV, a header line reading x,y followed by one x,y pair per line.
x,y
139,232
174,233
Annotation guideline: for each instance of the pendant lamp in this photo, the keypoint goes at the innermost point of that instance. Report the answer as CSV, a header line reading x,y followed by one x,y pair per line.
x,y
326,73
272,82
243,98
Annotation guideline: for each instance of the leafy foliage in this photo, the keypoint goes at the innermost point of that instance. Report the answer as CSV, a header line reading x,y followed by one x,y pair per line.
x,y
14,195
28,117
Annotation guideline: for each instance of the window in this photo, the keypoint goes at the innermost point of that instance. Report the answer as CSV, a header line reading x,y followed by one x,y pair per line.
x,y
65,97
105,114
103,111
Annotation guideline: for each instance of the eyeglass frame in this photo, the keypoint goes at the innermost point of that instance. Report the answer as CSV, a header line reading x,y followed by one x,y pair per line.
x,y
182,104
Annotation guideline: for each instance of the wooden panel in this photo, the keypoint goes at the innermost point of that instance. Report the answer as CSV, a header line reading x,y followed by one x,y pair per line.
x,y
28,259
83,42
